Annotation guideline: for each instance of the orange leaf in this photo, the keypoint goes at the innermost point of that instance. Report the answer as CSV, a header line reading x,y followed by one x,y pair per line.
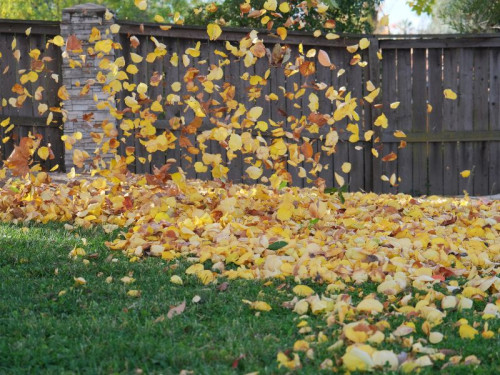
x,y
306,150
324,59
307,68
390,157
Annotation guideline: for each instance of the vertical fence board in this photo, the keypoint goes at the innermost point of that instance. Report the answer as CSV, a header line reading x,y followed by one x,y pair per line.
x,y
435,73
480,117
494,125
403,115
389,95
450,123
465,115
419,121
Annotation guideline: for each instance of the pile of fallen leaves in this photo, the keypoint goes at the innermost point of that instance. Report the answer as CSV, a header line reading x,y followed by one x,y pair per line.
x,y
227,231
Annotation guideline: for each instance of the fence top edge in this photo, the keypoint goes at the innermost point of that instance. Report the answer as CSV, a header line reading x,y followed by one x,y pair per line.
x,y
245,30
6,21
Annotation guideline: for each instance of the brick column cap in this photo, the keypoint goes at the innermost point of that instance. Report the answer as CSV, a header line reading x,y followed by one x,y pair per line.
x,y
87,8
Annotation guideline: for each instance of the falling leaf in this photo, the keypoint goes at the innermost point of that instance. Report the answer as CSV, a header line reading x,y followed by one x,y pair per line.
x,y
324,59
214,31
254,172
465,173
364,43
346,167
449,94
43,153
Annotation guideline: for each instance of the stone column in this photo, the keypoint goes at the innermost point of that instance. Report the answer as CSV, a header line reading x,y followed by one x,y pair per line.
x,y
80,69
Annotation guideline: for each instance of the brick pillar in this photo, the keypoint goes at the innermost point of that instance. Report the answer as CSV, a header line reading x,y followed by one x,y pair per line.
x,y
79,21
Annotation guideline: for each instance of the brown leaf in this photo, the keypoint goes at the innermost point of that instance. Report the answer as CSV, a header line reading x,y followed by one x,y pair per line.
x,y
324,59
21,157
390,157
176,310
306,149
134,42
223,287
73,44
307,68
184,142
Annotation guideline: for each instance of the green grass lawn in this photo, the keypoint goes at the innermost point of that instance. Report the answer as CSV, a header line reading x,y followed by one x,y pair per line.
x,y
50,325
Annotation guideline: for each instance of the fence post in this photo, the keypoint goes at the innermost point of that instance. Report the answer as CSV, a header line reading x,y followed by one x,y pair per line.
x,y
79,75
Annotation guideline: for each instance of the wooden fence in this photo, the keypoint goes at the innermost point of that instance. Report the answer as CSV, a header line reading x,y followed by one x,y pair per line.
x,y
13,37
454,136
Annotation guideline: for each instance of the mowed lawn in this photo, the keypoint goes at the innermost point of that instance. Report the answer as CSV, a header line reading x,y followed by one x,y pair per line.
x,y
50,323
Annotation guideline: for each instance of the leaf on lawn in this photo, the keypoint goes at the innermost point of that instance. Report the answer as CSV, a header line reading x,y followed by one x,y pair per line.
x,y
176,310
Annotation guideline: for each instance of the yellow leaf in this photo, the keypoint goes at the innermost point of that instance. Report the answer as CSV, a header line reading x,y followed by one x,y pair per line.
x,y
465,173
158,18
369,135
199,167
382,121
346,167
284,7
141,4
340,180
284,361
258,305
450,94
175,279
136,59
467,332
353,48
281,31
132,69
270,5
370,305
254,113
394,105
332,36
114,28
134,293
254,172
364,43
58,41
300,346
80,281
357,360
399,134
62,93
127,280
176,86
43,153
214,31
142,88
303,290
